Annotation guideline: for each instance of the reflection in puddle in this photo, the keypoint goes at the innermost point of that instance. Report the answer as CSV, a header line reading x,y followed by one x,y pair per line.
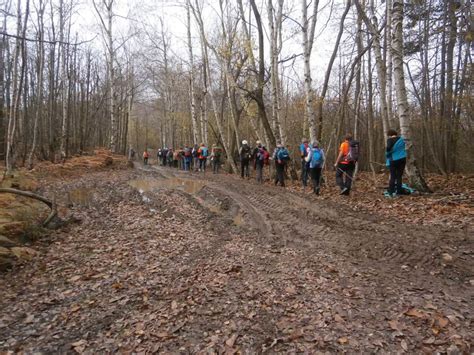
x,y
188,186
81,196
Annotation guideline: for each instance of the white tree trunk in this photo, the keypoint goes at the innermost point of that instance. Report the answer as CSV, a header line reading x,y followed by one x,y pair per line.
x,y
308,39
40,72
275,23
196,138
402,102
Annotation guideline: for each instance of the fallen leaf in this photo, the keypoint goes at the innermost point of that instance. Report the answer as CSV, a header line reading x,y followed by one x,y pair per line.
x,y
442,321
79,343
338,318
404,345
394,324
343,340
174,305
75,308
230,342
413,312
74,278
29,319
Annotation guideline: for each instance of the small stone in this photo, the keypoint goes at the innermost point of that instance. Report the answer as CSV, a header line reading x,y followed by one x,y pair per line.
x,y
447,258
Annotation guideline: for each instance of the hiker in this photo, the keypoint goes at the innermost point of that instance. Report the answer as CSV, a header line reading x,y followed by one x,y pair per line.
x,y
145,157
261,159
131,153
216,155
281,156
345,163
396,160
188,157
169,157
195,155
245,154
164,156
202,155
178,158
304,151
315,160
158,155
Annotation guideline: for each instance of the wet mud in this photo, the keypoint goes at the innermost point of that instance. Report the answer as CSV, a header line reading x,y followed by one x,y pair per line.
x,y
193,263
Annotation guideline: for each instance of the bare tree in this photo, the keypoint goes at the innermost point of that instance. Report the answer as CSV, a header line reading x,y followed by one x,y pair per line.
x,y
414,174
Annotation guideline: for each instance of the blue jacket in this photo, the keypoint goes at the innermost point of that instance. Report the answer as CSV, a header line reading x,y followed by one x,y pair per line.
x,y
397,152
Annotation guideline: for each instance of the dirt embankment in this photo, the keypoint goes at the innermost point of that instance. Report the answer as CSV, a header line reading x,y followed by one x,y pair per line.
x,y
21,217
164,261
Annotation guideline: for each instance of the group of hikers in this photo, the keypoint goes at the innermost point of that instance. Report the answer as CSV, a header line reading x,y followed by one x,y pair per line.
x,y
312,161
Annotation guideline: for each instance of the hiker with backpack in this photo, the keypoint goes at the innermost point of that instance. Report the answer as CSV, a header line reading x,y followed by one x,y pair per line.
x,y
216,155
245,154
396,156
345,164
145,157
188,157
315,160
281,156
304,151
195,155
203,153
259,161
164,156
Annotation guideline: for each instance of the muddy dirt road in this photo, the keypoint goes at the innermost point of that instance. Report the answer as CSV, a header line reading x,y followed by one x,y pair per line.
x,y
164,261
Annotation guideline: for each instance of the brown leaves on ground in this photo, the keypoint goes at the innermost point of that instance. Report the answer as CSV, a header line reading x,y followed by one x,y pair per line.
x,y
451,205
162,273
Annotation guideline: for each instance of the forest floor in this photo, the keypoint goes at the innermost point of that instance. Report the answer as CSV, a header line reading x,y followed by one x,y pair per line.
x,y
167,261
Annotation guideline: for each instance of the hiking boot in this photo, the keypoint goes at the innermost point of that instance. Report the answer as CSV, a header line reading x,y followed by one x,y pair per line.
x,y
316,191
344,191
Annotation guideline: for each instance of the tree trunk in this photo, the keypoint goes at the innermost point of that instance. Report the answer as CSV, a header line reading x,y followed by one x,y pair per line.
x,y
415,177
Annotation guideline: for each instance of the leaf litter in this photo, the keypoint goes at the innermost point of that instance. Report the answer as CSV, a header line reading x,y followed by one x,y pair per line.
x,y
170,274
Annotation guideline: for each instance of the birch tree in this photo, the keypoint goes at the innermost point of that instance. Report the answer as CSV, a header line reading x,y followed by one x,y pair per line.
x,y
416,179
308,27
275,20
196,137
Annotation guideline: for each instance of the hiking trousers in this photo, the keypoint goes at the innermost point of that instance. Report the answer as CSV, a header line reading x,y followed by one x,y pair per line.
x,y
344,174
304,172
316,178
245,168
215,165
202,164
259,172
397,167
280,174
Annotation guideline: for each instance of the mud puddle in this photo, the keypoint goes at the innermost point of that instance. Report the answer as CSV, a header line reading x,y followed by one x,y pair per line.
x,y
147,185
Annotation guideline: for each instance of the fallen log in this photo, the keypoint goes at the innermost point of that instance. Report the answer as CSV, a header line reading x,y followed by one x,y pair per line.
x,y
30,194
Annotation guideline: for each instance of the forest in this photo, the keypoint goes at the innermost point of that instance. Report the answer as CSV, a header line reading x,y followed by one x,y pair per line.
x,y
225,71
102,251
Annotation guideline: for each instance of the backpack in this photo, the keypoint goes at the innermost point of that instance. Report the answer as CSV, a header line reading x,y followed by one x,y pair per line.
x,y
217,152
283,155
317,158
354,150
187,152
260,154
266,157
304,148
204,152
245,153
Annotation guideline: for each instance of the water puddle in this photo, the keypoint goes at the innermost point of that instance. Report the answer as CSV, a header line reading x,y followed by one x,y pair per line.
x,y
238,219
82,196
186,185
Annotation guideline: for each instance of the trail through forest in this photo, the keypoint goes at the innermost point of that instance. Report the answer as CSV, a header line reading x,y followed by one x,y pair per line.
x,y
163,260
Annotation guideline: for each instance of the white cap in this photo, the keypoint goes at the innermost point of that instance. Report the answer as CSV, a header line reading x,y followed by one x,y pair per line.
x,y
244,142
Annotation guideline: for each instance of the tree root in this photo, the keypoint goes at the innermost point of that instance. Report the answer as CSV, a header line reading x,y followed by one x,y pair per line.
x,y
29,194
